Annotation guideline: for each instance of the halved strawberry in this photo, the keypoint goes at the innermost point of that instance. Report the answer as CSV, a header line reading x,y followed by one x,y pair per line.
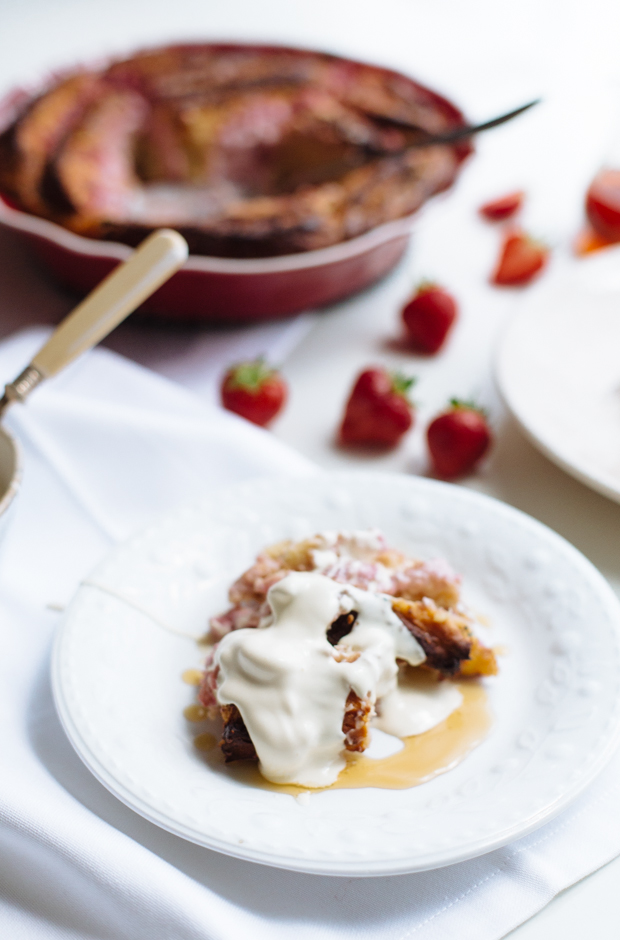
x,y
603,204
502,208
520,260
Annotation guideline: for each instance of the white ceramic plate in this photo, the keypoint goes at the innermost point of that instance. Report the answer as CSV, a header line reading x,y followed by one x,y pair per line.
x,y
128,636
559,371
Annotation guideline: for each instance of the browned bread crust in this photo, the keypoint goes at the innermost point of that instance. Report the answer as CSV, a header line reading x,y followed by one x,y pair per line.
x,y
482,661
442,634
446,638
236,742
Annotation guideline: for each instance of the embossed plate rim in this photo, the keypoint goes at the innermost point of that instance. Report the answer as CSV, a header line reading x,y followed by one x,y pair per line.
x,y
336,860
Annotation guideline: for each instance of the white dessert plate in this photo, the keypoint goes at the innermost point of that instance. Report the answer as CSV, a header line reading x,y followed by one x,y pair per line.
x,y
559,371
131,631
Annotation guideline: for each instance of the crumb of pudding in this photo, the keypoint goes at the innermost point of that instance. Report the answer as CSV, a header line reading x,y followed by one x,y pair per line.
x,y
356,723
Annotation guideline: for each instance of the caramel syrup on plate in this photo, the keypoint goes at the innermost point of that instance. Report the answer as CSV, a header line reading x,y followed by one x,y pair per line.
x,y
192,677
195,712
427,755
205,741
423,756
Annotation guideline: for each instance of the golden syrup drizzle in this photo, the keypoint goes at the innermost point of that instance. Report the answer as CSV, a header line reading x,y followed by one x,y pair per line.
x,y
195,712
423,757
427,755
205,741
192,676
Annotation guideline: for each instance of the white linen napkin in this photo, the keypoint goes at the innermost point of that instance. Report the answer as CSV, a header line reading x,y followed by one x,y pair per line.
x,y
108,445
197,358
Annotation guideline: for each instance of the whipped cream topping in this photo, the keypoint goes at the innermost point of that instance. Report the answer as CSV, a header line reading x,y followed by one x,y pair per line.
x,y
291,685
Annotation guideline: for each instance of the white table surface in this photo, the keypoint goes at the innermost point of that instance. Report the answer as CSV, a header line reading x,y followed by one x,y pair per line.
x,y
488,56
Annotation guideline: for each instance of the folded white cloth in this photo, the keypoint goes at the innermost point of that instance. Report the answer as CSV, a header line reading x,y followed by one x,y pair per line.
x,y
197,358
106,446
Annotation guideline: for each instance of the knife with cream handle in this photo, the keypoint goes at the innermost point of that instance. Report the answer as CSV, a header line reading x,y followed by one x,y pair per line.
x,y
152,263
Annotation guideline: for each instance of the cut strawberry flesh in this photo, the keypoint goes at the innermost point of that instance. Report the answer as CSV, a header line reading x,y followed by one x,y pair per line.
x,y
603,204
503,208
521,259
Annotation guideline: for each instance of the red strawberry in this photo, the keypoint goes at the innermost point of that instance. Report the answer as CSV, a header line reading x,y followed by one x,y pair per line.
x,y
603,204
254,391
520,260
457,439
503,208
378,411
428,317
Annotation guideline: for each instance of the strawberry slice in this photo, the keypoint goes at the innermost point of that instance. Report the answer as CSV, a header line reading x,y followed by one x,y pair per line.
x,y
458,439
378,411
429,317
254,391
521,259
603,204
502,208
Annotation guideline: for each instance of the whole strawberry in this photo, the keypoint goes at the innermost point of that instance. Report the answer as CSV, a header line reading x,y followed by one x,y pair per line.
x,y
429,317
378,411
458,439
254,391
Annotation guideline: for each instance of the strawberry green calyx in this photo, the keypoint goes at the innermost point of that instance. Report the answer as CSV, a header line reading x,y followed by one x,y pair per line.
x,y
425,286
250,376
401,384
459,404
536,242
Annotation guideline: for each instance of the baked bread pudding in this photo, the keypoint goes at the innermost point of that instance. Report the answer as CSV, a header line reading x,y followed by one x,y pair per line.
x,y
320,642
247,151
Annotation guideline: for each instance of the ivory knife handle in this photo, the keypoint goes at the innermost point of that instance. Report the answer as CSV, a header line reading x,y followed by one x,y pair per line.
x,y
152,263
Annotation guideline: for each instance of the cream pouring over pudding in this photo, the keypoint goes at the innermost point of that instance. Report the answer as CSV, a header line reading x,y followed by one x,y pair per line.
x,y
319,644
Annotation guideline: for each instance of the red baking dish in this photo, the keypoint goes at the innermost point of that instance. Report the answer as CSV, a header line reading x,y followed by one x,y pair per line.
x,y
215,289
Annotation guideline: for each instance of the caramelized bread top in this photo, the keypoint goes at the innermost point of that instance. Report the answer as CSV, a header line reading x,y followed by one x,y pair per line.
x,y
248,151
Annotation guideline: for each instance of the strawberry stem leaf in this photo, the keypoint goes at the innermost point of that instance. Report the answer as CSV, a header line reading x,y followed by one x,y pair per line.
x,y
250,375
425,286
459,404
402,383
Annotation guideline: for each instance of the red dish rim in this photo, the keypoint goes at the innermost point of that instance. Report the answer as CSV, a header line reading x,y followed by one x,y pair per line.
x,y
43,228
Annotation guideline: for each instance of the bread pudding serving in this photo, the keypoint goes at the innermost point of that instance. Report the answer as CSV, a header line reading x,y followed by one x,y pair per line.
x,y
324,638
247,151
